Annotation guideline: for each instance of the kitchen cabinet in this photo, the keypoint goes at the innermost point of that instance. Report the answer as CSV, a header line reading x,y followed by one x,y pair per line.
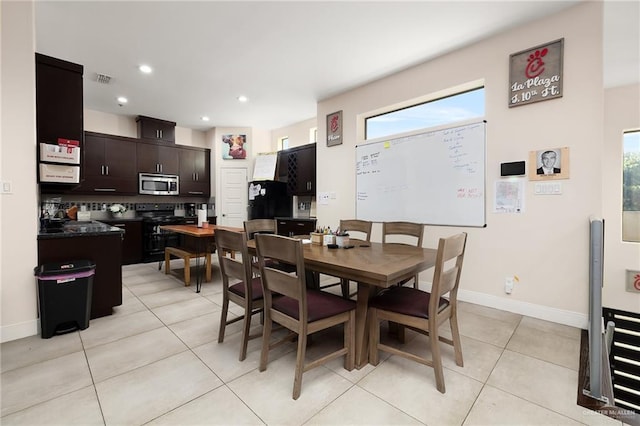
x,y
289,227
195,170
132,240
59,105
109,165
301,170
59,114
105,250
156,129
156,158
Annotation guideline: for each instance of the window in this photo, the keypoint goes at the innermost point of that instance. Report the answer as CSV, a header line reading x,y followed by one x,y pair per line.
x,y
450,109
631,187
283,142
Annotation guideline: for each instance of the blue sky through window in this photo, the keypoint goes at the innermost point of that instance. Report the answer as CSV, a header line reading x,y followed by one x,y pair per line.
x,y
460,107
632,142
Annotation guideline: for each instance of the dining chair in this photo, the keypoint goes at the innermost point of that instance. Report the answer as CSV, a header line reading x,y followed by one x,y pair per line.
x,y
359,230
424,311
238,284
303,311
397,232
263,226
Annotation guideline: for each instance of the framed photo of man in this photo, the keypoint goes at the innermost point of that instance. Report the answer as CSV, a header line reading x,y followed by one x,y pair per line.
x,y
549,163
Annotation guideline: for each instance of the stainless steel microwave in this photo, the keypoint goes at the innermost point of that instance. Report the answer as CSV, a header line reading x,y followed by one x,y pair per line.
x,y
158,184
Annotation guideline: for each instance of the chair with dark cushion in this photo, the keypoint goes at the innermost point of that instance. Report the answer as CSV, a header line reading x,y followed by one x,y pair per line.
x,y
358,230
263,226
402,233
238,284
424,311
299,309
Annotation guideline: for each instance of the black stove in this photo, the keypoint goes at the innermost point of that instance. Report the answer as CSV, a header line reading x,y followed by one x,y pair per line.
x,y
154,239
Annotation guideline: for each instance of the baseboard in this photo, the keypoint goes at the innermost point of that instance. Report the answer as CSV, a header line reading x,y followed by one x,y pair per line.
x,y
20,330
573,319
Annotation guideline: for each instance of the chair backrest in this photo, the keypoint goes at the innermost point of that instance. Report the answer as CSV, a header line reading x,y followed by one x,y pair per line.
x,y
283,250
362,229
410,229
446,276
234,268
262,226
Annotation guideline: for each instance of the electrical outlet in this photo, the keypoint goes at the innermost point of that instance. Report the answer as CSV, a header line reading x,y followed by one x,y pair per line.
x,y
508,285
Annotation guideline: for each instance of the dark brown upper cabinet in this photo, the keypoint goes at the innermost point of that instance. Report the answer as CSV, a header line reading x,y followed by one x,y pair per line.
x,y
195,167
301,170
109,165
59,107
157,158
156,129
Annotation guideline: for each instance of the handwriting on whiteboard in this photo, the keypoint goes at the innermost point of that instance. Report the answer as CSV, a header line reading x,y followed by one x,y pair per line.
x,y
469,192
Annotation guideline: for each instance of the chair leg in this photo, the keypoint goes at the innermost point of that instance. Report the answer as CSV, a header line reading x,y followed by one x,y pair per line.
x,y
187,271
416,282
223,316
374,336
455,336
436,358
266,337
302,348
246,327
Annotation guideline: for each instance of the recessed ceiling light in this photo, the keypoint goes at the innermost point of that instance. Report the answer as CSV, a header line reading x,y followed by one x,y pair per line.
x,y
146,69
243,98
205,118
122,100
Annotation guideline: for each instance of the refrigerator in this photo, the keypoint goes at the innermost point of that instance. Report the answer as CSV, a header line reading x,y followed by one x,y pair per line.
x,y
269,199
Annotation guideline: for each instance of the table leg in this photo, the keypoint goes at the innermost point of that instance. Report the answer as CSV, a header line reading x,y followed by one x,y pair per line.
x,y
362,337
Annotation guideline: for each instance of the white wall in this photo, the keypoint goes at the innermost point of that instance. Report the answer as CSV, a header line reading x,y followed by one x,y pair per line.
x,y
547,246
621,112
19,209
125,125
297,133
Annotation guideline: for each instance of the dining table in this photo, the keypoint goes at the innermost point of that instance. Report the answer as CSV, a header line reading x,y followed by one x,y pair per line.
x,y
203,237
373,266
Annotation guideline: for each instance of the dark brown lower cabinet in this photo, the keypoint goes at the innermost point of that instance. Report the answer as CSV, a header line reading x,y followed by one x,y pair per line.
x,y
105,251
132,242
291,227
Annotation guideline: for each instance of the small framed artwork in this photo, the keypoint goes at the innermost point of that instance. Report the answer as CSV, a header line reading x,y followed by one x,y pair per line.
x,y
334,128
549,163
234,147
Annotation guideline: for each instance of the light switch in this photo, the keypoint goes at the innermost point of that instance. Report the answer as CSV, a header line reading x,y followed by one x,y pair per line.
x,y
6,187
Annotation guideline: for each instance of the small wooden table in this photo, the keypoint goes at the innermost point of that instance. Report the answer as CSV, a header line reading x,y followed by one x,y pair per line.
x,y
201,235
369,264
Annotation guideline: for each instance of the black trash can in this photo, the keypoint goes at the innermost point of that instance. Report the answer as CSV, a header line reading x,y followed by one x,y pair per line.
x,y
64,296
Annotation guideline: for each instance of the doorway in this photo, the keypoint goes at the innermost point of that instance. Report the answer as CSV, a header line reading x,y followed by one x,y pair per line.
x,y
232,209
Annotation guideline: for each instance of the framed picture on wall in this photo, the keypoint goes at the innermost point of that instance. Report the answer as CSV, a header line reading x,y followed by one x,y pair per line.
x,y
234,147
549,163
334,128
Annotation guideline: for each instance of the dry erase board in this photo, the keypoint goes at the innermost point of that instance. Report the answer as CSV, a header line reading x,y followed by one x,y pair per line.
x,y
435,177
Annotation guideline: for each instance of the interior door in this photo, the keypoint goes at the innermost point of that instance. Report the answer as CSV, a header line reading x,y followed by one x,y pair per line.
x,y
232,208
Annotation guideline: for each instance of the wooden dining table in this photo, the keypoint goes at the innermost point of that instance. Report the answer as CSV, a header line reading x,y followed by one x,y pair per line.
x,y
371,265
203,236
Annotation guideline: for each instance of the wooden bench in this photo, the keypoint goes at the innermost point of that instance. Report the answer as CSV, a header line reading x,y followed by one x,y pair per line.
x,y
186,256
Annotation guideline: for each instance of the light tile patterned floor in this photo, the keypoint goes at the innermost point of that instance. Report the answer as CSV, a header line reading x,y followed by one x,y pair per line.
x,y
156,361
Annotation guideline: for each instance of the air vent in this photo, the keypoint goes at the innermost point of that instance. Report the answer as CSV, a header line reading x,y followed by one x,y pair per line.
x,y
103,78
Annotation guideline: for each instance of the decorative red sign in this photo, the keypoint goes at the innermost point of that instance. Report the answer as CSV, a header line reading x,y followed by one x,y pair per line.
x,y
536,74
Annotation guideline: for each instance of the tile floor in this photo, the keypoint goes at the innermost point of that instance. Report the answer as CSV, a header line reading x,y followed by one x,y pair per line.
x,y
156,361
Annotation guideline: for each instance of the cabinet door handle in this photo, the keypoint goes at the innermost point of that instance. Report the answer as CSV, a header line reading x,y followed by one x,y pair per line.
x,y
196,192
107,167
160,134
104,189
102,170
160,167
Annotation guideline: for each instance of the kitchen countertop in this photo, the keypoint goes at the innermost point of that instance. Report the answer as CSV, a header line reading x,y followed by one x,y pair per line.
x,y
311,219
74,228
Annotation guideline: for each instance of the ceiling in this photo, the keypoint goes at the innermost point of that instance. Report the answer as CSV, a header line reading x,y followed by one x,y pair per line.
x,y
284,56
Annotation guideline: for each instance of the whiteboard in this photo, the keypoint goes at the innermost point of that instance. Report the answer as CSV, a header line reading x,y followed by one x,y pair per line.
x,y
435,177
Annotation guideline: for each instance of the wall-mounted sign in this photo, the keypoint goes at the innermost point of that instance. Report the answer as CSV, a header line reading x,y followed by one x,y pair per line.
x,y
536,74
334,128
